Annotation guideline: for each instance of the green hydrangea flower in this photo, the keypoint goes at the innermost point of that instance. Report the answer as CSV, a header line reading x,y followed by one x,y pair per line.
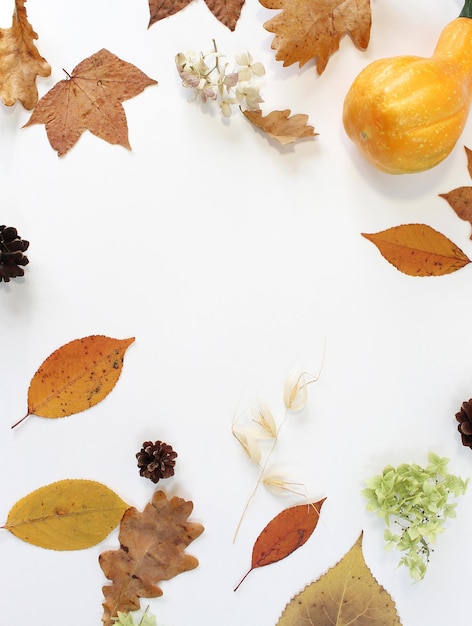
x,y
415,503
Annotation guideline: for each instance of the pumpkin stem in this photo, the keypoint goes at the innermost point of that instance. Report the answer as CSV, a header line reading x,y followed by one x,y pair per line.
x,y
466,9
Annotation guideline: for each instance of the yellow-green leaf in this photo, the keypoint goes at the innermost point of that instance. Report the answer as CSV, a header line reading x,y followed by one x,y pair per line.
x,y
70,514
76,376
347,594
418,250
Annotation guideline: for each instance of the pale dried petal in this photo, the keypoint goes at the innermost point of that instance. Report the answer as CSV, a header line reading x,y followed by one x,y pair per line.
x,y
263,417
281,485
243,58
249,444
258,69
295,392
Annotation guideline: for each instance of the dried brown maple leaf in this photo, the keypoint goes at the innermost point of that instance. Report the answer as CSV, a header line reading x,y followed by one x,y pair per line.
x,y
280,126
90,99
312,29
226,11
152,549
20,61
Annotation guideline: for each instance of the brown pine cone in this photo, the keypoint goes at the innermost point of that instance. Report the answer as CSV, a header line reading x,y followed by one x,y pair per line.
x,y
11,253
156,460
464,417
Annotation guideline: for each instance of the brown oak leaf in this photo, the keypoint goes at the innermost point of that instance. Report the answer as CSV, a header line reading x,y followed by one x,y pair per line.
x,y
20,61
281,126
152,549
226,11
312,29
90,99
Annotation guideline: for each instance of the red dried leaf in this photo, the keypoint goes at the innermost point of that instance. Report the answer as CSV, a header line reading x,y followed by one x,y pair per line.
x,y
289,530
468,153
418,250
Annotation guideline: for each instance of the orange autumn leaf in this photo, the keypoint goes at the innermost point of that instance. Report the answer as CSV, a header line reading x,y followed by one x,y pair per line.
x,y
71,514
225,11
20,61
90,99
76,376
281,126
284,534
152,549
418,250
312,29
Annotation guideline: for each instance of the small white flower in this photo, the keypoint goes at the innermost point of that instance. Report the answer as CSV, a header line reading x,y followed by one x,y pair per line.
x,y
248,68
249,94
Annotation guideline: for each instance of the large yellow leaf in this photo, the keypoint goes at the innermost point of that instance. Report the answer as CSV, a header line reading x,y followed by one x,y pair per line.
x,y
66,515
418,250
76,376
347,594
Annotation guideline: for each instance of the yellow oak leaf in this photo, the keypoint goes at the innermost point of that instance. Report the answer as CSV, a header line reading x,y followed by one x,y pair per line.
x,y
346,594
312,29
76,376
152,549
70,514
281,126
20,61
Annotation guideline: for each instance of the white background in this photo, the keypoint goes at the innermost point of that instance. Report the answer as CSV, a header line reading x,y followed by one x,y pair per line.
x,y
231,260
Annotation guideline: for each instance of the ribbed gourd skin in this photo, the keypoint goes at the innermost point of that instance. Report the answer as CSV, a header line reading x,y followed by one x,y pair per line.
x,y
406,113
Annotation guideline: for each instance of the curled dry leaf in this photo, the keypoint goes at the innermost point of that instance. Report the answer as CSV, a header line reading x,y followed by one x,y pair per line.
x,y
418,250
281,126
226,11
76,376
287,532
346,594
312,29
460,199
152,549
69,514
90,99
20,61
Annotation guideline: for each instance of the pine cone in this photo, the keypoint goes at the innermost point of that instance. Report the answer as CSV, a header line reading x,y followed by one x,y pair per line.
x,y
156,460
11,253
464,417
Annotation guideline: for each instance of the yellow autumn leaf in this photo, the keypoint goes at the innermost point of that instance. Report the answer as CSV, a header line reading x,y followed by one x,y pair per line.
x,y
76,376
70,514
346,594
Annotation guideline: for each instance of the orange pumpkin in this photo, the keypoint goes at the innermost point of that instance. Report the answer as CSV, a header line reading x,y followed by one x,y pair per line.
x,y
406,113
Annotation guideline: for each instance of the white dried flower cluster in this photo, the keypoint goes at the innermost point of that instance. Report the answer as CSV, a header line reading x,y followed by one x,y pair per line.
x,y
255,433
211,79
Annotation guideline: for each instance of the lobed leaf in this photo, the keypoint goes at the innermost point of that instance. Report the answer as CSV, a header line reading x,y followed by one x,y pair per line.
x,y
152,549
281,126
20,61
347,594
312,29
70,514
418,250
